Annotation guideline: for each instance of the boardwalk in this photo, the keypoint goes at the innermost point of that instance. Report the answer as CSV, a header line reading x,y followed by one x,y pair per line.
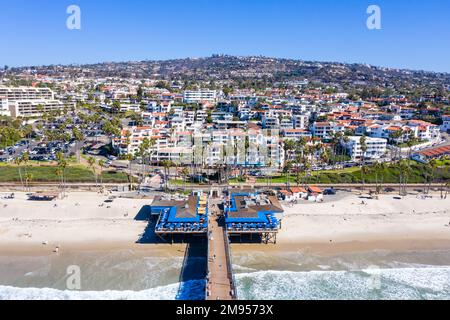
x,y
220,280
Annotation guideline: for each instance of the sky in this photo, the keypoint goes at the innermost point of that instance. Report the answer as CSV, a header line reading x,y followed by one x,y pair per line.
x,y
414,34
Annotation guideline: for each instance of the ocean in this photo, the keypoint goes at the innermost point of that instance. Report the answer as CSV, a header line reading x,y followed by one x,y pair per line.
x,y
128,274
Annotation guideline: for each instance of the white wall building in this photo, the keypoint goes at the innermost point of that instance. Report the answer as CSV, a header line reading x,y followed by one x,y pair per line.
x,y
300,121
26,93
34,108
376,147
4,108
199,96
28,101
446,123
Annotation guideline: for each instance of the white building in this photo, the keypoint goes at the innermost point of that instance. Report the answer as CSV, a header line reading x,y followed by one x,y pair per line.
x,y
33,108
325,130
270,122
376,147
26,93
200,96
4,108
300,121
28,101
446,123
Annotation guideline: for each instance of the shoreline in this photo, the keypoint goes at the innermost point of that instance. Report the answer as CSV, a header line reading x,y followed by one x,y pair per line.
x,y
344,223
178,250
350,247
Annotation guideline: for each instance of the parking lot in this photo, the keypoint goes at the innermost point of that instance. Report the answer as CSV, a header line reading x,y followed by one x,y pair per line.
x,y
37,151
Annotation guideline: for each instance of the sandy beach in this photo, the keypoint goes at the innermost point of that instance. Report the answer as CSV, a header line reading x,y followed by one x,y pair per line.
x,y
342,223
81,221
321,252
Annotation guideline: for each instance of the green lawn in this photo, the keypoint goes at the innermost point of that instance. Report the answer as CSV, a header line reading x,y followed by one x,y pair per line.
x,y
353,175
405,145
47,173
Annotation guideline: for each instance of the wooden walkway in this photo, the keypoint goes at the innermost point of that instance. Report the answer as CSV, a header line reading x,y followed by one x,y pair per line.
x,y
220,284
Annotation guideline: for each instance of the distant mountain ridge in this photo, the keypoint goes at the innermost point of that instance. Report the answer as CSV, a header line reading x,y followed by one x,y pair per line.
x,y
238,68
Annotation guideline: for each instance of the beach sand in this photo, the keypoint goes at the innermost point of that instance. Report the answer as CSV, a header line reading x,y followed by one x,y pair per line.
x,y
349,222
340,224
81,221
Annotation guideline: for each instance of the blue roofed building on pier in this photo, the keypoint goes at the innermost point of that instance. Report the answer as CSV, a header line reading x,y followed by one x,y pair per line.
x,y
181,216
250,212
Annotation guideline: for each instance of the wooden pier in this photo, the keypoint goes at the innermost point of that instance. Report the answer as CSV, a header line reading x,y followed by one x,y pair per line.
x,y
220,280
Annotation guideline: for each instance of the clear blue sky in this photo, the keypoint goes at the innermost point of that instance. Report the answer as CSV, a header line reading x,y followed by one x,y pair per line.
x,y
415,34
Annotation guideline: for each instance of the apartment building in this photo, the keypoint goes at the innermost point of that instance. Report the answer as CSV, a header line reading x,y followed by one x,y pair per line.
x,y
234,146
34,108
296,134
26,93
4,108
445,123
200,96
425,131
421,130
376,148
300,121
269,122
323,130
28,101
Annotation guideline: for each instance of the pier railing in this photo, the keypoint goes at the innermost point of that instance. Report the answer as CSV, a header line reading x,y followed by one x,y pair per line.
x,y
207,266
230,274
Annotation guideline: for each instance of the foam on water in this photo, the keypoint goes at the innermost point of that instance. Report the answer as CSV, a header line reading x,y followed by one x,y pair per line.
x,y
397,283
404,283
169,292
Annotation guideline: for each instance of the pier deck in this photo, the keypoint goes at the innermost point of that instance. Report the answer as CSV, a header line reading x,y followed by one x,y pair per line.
x,y
220,284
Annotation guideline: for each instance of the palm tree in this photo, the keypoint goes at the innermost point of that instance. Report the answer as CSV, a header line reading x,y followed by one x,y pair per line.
x,y
287,169
428,172
28,179
246,150
129,157
410,143
91,162
447,188
363,144
18,162
405,171
101,164
379,169
143,151
269,177
59,174
299,157
26,157
289,145
434,164
62,165
335,141
185,173
166,164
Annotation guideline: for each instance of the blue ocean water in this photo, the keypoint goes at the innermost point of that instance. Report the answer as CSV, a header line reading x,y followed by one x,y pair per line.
x,y
259,276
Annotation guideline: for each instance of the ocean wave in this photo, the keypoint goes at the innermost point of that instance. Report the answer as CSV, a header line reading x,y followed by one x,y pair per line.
x,y
370,284
417,283
193,290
